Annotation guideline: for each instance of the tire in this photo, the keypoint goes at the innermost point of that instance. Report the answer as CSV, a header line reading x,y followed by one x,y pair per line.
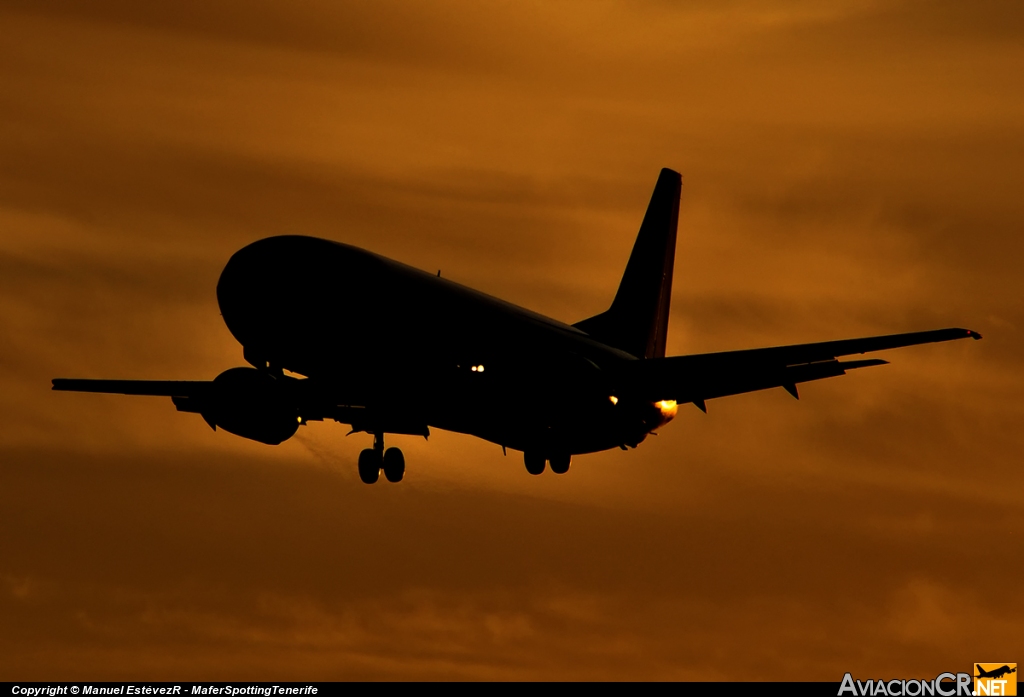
x,y
534,463
369,466
560,463
394,465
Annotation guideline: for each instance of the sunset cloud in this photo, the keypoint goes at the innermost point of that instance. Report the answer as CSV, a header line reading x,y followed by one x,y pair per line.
x,y
848,168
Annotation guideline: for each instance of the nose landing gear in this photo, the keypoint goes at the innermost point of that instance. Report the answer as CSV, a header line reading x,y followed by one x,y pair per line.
x,y
394,465
373,460
369,466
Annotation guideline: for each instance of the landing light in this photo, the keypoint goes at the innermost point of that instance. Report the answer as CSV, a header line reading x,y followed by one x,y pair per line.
x,y
613,399
477,368
667,407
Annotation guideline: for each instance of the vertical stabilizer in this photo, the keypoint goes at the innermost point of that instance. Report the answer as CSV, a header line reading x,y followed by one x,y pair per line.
x,y
637,321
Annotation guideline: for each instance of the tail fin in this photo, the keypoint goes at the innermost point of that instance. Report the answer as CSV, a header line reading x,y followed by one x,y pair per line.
x,y
637,321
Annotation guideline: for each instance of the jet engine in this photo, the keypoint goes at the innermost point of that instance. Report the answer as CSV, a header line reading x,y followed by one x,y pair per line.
x,y
251,404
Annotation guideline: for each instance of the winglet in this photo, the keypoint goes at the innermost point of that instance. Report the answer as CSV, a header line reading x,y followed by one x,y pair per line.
x,y
973,334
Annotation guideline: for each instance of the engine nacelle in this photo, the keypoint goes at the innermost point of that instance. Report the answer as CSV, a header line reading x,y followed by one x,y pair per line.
x,y
253,405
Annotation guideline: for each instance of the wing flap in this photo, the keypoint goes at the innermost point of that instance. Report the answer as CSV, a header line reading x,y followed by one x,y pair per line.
x,y
706,376
828,350
712,386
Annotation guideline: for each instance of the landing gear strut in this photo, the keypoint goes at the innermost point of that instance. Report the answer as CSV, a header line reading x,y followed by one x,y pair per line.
x,y
373,460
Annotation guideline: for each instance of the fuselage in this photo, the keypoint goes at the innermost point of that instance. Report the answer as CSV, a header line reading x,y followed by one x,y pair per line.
x,y
410,347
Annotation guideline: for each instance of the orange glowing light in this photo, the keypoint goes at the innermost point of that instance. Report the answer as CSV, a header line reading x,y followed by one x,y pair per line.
x,y
668,408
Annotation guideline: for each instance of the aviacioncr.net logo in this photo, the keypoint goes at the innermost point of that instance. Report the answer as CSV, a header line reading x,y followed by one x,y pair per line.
x,y
995,679
943,685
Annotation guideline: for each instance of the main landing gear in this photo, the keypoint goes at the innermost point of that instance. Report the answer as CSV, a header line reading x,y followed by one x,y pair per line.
x,y
535,462
373,460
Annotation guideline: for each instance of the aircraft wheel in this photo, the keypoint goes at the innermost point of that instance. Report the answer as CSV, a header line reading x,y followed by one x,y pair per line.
x,y
560,463
534,463
394,465
369,466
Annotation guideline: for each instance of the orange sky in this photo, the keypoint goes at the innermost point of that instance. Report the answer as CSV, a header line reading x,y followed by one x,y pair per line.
x,y
850,168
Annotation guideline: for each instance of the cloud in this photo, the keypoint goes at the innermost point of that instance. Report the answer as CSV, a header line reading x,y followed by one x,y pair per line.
x,y
849,169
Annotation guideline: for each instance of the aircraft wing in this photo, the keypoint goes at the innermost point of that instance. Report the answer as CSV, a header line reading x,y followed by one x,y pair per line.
x,y
311,402
699,377
187,395
156,388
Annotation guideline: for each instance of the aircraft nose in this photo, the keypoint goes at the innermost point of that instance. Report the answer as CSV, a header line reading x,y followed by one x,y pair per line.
x,y
281,287
263,282
246,282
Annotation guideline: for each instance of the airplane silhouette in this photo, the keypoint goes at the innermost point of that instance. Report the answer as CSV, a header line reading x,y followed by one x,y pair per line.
x,y
995,673
387,348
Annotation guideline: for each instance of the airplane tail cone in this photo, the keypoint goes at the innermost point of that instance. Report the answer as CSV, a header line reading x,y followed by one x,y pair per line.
x,y
637,321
